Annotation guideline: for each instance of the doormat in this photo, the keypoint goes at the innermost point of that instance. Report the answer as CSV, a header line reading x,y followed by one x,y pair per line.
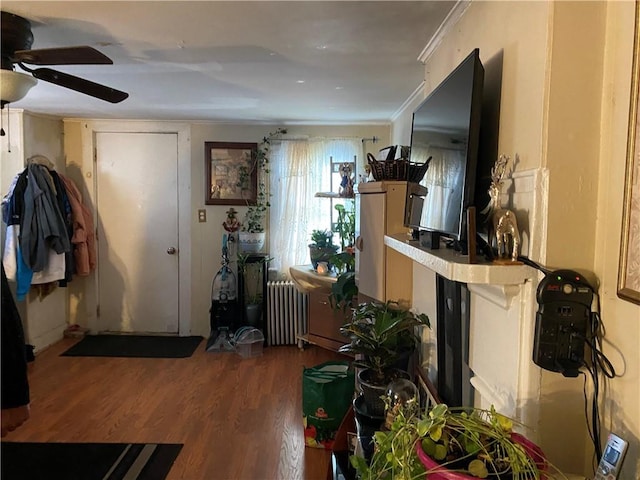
x,y
145,346
87,461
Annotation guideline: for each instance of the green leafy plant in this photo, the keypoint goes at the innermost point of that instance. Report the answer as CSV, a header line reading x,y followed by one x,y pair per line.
x,y
472,441
344,262
344,291
381,333
322,239
394,456
254,220
252,277
322,248
346,225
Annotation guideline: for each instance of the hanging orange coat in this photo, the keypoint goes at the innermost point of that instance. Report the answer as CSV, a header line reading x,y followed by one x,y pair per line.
x,y
84,238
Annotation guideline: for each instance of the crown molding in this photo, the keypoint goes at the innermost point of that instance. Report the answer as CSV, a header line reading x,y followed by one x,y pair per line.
x,y
449,22
418,92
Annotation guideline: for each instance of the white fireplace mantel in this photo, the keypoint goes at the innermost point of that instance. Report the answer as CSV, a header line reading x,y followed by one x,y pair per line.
x,y
455,266
497,283
502,304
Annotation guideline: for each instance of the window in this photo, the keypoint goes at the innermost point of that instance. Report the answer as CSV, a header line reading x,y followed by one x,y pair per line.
x,y
300,169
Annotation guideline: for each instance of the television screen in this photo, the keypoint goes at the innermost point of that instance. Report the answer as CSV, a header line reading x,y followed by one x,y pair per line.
x,y
446,128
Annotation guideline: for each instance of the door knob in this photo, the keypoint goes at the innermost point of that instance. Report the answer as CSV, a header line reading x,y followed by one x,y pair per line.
x,y
359,243
171,250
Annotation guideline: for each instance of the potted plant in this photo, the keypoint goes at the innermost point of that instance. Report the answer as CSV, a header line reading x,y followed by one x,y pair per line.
x,y
344,291
322,248
382,335
346,227
451,444
252,233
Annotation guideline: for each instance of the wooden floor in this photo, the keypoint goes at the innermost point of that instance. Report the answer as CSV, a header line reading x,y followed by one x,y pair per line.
x,y
237,418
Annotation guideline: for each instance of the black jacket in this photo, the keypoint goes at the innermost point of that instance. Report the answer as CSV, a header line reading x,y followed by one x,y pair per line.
x,y
15,385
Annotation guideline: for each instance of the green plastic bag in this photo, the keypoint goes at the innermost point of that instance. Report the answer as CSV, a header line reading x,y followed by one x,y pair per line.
x,y
327,392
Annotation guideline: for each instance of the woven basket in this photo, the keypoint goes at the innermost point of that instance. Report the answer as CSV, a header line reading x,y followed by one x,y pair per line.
x,y
388,170
417,171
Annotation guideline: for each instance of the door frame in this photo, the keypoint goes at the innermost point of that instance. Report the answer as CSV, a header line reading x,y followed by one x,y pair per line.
x,y
89,129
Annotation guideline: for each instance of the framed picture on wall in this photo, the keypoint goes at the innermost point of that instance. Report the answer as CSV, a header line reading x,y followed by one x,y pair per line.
x,y
231,176
629,269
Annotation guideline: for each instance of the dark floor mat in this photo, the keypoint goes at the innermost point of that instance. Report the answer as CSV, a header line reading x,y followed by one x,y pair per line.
x,y
134,346
87,461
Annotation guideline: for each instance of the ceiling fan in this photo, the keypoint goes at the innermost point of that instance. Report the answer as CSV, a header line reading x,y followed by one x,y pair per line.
x,y
15,44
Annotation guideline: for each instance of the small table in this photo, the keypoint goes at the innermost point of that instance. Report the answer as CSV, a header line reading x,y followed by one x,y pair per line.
x,y
323,328
306,279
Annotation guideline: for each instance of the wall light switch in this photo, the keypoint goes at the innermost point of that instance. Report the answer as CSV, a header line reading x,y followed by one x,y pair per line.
x,y
202,215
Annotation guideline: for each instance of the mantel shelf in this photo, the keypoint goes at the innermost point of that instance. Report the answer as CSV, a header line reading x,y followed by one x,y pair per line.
x,y
454,266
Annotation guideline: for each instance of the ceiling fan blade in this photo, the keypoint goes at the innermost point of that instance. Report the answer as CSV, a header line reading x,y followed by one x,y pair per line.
x,y
80,85
81,55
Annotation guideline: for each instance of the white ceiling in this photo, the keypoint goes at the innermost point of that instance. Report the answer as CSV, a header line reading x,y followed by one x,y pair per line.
x,y
312,62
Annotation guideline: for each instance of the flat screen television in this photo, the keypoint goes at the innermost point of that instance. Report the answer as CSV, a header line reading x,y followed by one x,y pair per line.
x,y
446,129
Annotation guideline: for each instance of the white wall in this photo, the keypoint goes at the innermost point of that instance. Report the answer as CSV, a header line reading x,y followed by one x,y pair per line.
x,y
206,238
12,158
44,318
564,109
403,118
621,412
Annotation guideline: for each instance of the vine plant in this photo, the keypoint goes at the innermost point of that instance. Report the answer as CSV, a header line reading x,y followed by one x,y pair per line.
x,y
256,214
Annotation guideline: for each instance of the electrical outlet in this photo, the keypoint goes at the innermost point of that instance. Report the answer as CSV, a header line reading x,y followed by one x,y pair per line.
x,y
202,215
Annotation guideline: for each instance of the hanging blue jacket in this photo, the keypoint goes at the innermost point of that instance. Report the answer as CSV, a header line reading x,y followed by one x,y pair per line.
x,y
43,226
12,215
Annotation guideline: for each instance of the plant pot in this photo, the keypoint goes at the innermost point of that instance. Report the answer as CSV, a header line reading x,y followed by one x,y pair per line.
x,y
366,426
251,242
373,391
254,314
321,254
438,472
404,358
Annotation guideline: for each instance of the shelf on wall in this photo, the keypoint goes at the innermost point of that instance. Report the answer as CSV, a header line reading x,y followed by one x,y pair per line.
x,y
331,195
454,266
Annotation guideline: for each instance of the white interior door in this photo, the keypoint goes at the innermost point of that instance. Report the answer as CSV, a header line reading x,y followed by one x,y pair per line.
x,y
137,205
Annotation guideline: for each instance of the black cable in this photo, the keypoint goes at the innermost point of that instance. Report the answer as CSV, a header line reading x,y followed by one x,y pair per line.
x,y
595,412
586,413
603,362
533,264
600,364
593,423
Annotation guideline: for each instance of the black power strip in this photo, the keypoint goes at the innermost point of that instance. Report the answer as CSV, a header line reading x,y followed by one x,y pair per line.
x,y
563,322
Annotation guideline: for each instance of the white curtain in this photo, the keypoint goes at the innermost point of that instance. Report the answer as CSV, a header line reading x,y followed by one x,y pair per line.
x,y
444,189
299,169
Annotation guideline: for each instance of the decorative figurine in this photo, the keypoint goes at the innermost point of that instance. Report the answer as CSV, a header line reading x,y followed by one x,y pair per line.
x,y
367,174
504,225
346,185
231,223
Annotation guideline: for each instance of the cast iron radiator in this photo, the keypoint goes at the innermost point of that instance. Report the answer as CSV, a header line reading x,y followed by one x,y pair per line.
x,y
286,313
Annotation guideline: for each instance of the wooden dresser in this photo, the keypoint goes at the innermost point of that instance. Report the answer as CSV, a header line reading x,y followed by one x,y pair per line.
x,y
324,322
